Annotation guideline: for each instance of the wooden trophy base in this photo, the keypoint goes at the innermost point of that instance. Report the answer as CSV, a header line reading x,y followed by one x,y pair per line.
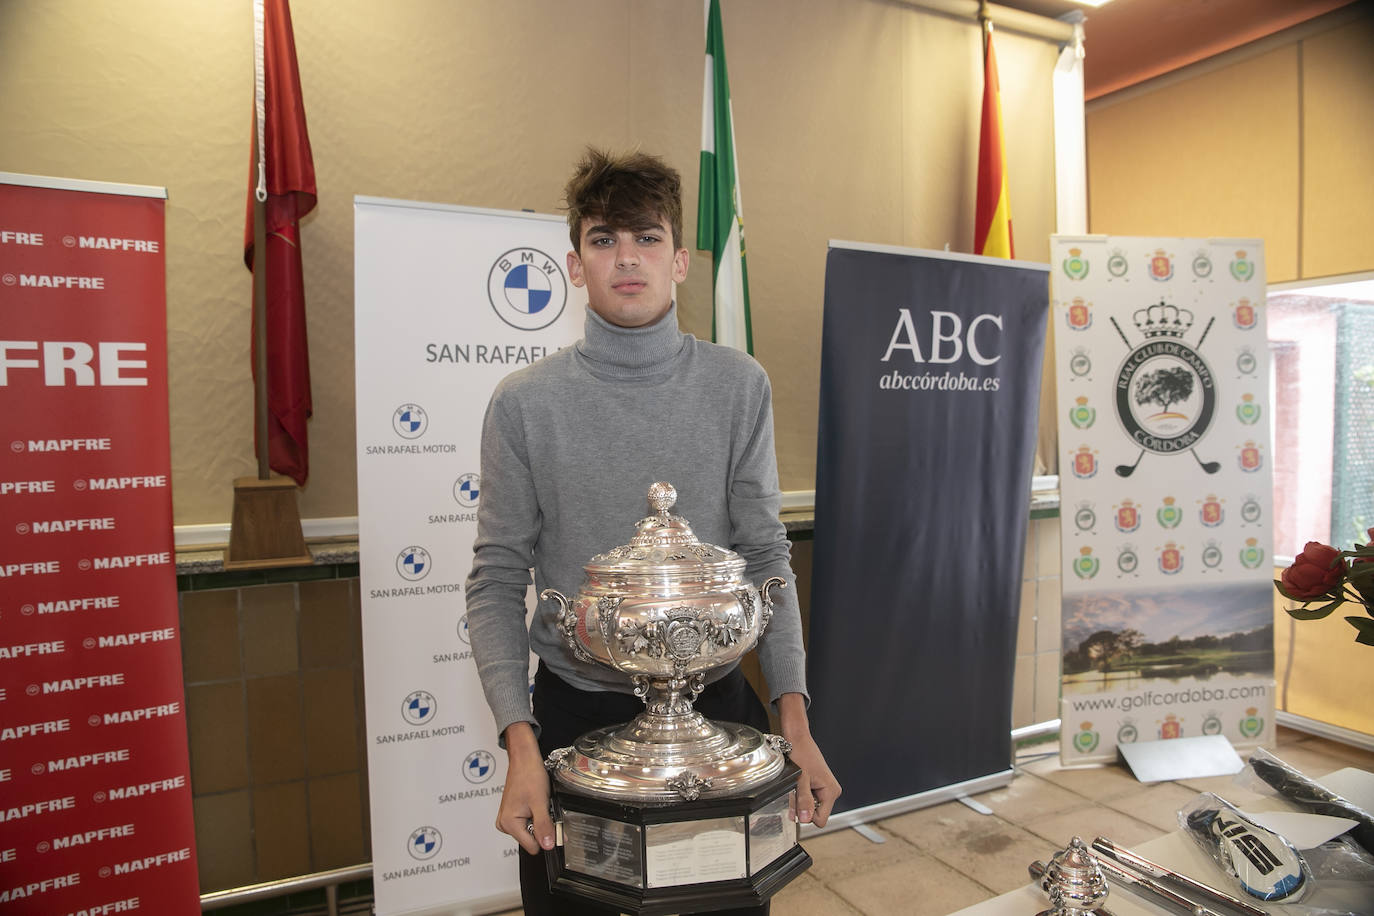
x,y
266,527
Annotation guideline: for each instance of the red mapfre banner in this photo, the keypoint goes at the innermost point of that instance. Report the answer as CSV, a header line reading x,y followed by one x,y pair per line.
x,y
95,793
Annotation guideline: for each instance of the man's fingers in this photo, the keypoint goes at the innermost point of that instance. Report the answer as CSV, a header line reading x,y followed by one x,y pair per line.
x,y
821,810
517,828
543,829
805,803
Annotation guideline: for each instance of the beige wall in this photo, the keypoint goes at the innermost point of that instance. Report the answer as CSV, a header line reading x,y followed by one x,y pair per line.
x,y
856,119
1277,145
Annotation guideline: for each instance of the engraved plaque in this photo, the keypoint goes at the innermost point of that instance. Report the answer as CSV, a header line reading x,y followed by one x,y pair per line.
x,y
772,831
694,852
603,848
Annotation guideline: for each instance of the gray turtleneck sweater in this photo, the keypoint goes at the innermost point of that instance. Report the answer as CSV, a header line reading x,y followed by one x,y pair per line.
x,y
570,446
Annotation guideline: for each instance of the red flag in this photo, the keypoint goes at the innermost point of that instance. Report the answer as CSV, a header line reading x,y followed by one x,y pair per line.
x,y
290,182
992,219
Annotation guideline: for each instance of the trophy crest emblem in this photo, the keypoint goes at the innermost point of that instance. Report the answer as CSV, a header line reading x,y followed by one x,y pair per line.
x,y
1171,727
1250,458
1247,411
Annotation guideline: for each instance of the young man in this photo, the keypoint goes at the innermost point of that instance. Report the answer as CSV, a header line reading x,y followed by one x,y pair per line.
x,y
570,445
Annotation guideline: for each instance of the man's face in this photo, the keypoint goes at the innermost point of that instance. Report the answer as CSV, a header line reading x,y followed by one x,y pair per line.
x,y
628,272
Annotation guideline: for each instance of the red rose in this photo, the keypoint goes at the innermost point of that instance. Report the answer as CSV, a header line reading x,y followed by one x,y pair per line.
x,y
1316,571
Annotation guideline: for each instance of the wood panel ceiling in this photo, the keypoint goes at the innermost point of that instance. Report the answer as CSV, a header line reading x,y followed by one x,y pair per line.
x,y
1130,41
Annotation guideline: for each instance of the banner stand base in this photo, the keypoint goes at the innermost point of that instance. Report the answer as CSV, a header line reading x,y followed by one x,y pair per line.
x,y
1181,758
266,527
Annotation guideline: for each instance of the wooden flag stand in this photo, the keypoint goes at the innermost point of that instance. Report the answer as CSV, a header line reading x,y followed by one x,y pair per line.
x,y
266,527
265,530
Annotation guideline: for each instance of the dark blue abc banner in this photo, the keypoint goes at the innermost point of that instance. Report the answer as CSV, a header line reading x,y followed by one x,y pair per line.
x,y
930,382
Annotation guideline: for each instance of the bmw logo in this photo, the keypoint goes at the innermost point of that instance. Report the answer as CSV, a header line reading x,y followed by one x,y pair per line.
x,y
410,421
419,707
527,289
425,843
413,563
463,630
466,489
479,766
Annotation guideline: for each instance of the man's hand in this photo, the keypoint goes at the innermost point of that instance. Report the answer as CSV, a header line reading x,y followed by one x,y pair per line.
x,y
525,799
817,787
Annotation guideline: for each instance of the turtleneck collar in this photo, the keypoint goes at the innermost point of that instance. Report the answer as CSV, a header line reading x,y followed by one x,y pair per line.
x,y
630,352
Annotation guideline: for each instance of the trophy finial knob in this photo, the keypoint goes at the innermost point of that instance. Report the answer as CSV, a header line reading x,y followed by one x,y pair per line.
x,y
662,497
1074,881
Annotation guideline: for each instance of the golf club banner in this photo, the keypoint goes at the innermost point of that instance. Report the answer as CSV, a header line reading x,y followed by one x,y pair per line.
x,y
930,369
95,794
1165,487
448,301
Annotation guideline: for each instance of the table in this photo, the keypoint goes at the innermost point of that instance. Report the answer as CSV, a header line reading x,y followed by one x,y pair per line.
x,y
1175,851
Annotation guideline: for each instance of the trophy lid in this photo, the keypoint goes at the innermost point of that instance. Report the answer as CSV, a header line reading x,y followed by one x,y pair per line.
x,y
664,546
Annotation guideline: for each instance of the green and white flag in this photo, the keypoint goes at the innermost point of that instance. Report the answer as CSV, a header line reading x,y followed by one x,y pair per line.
x,y
720,216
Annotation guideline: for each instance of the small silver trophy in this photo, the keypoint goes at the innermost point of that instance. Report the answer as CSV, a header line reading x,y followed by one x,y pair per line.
x,y
1074,882
671,812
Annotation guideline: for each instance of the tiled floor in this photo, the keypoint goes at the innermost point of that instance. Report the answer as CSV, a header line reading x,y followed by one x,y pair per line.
x,y
941,859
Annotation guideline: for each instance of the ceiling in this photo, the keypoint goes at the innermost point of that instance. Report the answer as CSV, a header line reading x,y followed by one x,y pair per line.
x,y
1129,41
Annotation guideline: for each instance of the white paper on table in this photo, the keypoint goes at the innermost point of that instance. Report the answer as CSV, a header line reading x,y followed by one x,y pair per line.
x,y
1352,784
1304,831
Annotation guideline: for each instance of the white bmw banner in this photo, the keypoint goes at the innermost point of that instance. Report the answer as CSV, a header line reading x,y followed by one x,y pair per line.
x,y
448,301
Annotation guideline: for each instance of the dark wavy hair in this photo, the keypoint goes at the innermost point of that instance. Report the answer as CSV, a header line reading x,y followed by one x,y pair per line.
x,y
626,190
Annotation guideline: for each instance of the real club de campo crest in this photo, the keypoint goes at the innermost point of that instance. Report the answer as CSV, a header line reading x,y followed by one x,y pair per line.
x,y
1165,392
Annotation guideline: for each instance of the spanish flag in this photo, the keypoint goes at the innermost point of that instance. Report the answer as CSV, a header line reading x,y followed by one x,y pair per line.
x,y
282,175
992,222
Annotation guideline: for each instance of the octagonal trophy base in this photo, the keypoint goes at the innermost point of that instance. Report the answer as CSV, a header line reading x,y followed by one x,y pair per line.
x,y
689,857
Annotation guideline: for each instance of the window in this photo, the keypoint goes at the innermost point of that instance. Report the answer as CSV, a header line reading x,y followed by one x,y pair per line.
x,y
1321,348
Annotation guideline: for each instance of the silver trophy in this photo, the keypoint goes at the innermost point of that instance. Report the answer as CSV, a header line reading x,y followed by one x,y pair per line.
x,y
671,811
1074,882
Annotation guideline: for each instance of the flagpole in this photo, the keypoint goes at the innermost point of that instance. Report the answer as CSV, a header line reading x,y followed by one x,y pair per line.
x,y
260,335
984,29
265,529
260,245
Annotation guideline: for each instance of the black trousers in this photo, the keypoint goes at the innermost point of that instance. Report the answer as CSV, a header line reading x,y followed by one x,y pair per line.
x,y
565,713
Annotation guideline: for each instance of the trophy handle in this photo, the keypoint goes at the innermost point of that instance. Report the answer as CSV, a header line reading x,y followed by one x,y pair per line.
x,y
566,620
767,600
